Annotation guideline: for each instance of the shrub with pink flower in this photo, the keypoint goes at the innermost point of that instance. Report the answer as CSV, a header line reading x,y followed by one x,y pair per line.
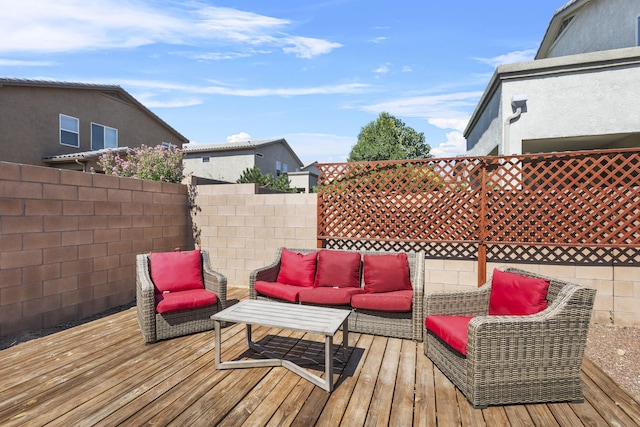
x,y
152,163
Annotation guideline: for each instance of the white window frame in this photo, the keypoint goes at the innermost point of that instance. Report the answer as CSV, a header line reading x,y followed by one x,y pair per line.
x,y
278,168
169,145
71,131
104,135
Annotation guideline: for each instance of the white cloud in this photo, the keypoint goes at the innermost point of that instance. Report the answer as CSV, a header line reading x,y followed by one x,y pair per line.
x,y
346,88
77,25
453,146
305,47
510,57
449,123
22,63
451,106
378,40
407,69
383,69
239,137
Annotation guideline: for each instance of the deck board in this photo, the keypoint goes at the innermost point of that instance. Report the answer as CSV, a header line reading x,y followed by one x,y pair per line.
x,y
101,373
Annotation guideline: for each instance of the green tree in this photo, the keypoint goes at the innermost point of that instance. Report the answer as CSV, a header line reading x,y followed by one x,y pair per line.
x,y
254,175
388,138
151,163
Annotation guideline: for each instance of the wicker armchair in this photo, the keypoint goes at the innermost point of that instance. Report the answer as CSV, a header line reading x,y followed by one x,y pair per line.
x,y
155,326
515,359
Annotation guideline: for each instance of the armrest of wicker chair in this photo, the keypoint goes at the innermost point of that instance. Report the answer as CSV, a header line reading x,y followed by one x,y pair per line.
x,y
473,302
214,281
268,273
145,296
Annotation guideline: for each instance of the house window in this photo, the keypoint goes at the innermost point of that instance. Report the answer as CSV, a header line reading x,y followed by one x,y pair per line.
x,y
205,159
103,137
638,30
169,145
69,131
278,168
284,168
563,26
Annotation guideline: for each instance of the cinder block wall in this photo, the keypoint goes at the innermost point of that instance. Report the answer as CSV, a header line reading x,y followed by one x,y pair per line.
x,y
68,241
242,230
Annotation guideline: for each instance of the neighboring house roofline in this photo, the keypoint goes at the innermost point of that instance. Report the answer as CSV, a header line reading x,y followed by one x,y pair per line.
x,y
117,90
85,155
236,146
552,66
559,16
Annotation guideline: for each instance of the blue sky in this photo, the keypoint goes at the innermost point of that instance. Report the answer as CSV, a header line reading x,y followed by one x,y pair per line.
x,y
313,72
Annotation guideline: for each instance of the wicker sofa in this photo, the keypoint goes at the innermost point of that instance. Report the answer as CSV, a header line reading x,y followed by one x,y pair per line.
x,y
157,326
407,325
515,359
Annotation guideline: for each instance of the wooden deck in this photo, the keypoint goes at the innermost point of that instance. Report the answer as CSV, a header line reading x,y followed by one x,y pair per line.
x,y
101,373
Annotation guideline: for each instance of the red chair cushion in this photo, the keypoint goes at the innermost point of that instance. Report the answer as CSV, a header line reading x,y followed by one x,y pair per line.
x,y
297,269
453,330
396,301
516,295
338,268
184,300
386,273
278,290
176,271
329,296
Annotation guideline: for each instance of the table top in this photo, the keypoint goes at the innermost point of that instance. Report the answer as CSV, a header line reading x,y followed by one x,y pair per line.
x,y
298,317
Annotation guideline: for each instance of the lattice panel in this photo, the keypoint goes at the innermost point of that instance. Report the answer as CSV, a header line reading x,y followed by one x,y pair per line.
x,y
525,203
400,201
564,200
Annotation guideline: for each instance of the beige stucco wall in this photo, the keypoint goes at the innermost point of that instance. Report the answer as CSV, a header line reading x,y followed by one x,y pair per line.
x,y
242,230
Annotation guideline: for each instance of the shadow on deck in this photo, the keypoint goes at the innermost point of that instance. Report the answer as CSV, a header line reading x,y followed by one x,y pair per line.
x,y
101,373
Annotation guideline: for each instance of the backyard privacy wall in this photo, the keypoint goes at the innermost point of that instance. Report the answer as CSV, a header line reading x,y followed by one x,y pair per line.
x,y
68,241
242,231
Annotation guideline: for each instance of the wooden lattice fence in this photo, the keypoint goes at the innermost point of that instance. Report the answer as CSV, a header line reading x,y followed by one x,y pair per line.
x,y
572,207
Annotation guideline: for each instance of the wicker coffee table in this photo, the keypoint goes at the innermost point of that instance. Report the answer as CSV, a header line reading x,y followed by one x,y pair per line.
x,y
297,317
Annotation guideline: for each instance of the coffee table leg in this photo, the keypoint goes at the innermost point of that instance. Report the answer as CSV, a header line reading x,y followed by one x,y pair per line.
x,y
249,340
345,339
216,324
328,362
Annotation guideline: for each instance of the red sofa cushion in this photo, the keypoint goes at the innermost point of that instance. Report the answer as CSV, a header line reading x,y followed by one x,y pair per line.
x,y
338,268
396,301
278,290
329,296
297,269
184,300
516,295
386,273
176,271
453,330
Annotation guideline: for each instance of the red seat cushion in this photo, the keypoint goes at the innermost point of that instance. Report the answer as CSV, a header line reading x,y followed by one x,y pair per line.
x,y
396,301
329,296
184,300
278,290
176,271
386,273
338,268
297,269
453,330
516,295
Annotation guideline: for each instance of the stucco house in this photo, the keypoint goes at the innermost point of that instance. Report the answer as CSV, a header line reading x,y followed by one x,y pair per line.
x,y
226,162
579,93
68,125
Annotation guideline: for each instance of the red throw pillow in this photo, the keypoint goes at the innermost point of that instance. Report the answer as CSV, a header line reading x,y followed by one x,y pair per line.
x,y
176,271
338,268
386,273
297,269
516,295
